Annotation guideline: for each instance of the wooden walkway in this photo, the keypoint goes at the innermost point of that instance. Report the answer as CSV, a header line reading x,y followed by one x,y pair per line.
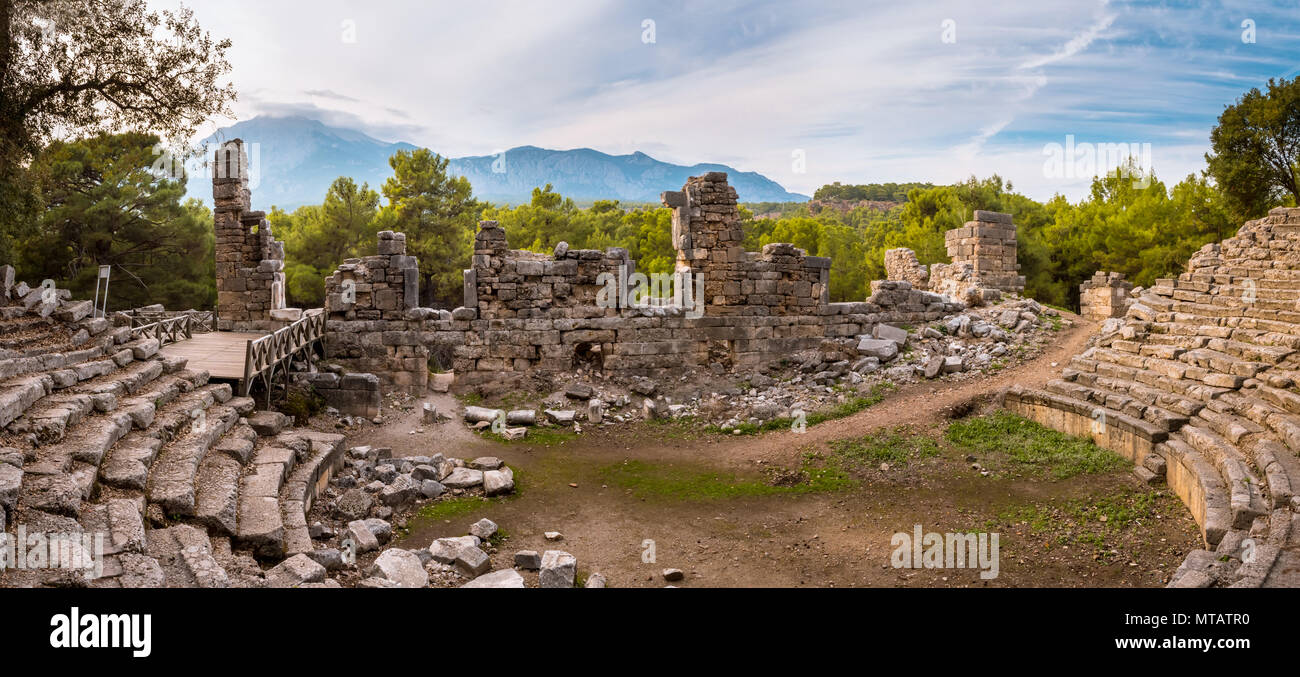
x,y
221,353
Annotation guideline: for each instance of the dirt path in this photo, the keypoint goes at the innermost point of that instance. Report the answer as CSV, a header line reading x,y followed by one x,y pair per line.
x,y
928,401
826,539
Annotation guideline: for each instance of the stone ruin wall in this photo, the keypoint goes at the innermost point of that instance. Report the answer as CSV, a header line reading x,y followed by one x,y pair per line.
x,y
527,313
988,245
249,260
1104,295
984,262
902,264
369,305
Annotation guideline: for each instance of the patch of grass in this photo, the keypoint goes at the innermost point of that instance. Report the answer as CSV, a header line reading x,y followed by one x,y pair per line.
x,y
448,508
849,407
470,399
1094,521
514,399
1054,322
499,538
696,483
681,428
895,448
1034,447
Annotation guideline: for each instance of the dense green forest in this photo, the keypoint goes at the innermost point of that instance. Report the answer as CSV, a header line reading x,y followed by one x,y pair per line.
x,y
104,205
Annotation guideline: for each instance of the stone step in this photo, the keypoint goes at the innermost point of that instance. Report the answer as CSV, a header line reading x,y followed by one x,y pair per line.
x,y
1221,363
88,442
121,521
217,493
1245,499
18,396
184,554
1116,400
299,491
1201,487
127,465
172,475
12,367
51,417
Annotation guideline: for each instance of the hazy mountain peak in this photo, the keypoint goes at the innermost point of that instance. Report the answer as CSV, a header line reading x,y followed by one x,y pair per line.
x,y
299,157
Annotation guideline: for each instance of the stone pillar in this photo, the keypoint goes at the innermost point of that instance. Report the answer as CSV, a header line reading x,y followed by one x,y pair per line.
x,y
707,234
249,260
988,244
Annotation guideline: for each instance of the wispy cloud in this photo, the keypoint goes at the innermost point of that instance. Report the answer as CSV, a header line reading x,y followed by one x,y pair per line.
x,y
868,91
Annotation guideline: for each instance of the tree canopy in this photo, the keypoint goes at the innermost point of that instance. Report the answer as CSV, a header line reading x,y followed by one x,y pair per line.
x,y
76,68
105,205
1255,157
437,212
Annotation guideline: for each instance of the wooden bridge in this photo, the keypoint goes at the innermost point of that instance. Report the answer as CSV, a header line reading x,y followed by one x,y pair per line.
x,y
241,356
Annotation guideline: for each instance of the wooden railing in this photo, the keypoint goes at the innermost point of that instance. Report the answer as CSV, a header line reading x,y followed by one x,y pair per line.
x,y
200,320
170,330
275,351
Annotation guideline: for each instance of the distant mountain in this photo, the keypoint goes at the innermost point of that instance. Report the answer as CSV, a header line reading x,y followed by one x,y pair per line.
x,y
586,174
295,159
299,157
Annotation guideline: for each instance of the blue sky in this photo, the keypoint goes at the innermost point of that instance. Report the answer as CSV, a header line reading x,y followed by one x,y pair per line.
x,y
862,91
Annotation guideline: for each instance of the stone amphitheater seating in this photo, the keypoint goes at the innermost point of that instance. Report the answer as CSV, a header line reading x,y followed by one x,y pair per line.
x,y
1199,385
101,433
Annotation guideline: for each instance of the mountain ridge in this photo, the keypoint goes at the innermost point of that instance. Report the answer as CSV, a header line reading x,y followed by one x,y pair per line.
x,y
294,159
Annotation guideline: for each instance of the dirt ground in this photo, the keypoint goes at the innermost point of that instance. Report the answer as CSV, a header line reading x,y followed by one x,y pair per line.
x,y
593,490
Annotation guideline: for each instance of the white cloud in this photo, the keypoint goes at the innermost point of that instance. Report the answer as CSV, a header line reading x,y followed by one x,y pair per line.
x,y
868,91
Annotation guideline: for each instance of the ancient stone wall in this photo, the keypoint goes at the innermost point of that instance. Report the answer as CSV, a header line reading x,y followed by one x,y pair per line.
x,y
529,314
372,321
902,264
1104,295
249,260
780,280
351,394
988,245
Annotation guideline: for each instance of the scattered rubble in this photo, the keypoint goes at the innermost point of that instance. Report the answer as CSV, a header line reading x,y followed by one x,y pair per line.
x,y
962,345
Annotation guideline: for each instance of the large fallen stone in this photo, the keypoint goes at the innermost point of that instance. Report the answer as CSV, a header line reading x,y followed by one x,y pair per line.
x,y
472,562
445,550
559,569
579,391
881,349
354,504
267,423
403,490
402,567
295,571
360,536
498,482
481,414
485,463
483,529
562,416
521,417
504,578
890,333
463,478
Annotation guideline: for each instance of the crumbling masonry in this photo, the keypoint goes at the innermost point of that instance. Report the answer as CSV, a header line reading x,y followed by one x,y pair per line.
x,y
1104,295
984,262
250,261
527,313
